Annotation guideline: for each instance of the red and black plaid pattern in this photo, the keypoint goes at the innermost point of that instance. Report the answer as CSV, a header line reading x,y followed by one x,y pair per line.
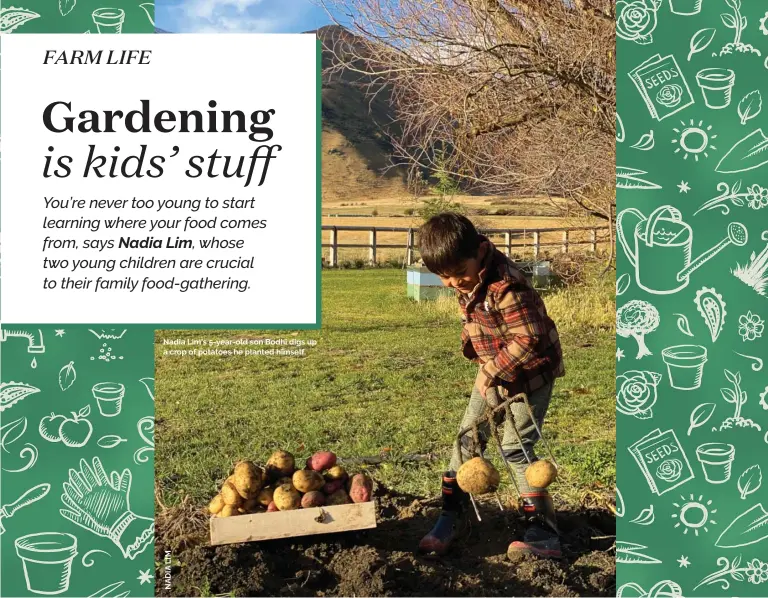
x,y
507,330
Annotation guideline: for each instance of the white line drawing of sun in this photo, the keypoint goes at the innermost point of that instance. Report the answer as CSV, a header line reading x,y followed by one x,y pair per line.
x,y
694,139
694,514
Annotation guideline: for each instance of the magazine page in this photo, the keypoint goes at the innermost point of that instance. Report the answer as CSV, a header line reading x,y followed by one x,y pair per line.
x,y
382,299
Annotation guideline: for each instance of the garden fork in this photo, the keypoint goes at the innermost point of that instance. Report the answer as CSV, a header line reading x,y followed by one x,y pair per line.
x,y
494,406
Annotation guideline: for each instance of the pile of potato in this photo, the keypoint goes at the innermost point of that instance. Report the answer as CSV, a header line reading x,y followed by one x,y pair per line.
x,y
279,486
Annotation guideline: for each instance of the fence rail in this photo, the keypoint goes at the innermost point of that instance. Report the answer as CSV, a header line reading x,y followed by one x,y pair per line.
x,y
509,234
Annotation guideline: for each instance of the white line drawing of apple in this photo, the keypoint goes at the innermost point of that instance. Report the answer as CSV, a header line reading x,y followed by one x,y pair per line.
x,y
49,427
73,432
76,432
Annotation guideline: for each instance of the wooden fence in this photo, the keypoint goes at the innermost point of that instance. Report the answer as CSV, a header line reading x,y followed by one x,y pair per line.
x,y
523,237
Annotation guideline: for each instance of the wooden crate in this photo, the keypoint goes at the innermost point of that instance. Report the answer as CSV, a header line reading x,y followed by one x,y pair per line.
x,y
289,524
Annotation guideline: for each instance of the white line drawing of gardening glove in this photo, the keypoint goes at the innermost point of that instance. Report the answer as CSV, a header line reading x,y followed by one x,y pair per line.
x,y
100,504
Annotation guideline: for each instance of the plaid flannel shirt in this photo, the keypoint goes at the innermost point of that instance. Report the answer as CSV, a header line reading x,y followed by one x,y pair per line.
x,y
507,330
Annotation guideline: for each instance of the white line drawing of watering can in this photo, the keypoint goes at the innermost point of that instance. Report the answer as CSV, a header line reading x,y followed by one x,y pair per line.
x,y
660,248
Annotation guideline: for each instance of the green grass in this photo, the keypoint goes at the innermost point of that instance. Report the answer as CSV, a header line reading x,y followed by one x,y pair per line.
x,y
386,374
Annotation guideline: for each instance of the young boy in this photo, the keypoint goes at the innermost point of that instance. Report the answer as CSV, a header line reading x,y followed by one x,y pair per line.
x,y
508,333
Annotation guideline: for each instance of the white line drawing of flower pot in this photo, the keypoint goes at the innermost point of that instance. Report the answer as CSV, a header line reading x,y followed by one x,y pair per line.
x,y
685,365
109,397
109,20
685,8
716,86
716,460
47,559
664,238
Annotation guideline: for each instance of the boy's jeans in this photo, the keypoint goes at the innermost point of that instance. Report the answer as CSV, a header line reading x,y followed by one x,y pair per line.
x,y
539,401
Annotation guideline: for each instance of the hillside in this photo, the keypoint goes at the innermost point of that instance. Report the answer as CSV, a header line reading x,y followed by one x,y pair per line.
x,y
355,150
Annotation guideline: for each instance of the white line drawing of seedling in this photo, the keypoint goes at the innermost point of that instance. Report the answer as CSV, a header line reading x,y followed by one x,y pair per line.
x,y
738,398
738,23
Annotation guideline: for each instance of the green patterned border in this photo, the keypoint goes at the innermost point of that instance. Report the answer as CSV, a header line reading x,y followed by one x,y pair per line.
x,y
692,263
63,413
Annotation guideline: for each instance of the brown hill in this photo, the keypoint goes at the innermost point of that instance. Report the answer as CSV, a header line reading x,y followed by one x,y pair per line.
x,y
355,150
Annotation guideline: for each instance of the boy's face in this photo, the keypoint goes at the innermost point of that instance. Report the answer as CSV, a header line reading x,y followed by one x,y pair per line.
x,y
466,276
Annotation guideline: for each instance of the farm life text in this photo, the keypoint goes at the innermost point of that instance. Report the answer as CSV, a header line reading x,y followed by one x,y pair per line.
x,y
60,117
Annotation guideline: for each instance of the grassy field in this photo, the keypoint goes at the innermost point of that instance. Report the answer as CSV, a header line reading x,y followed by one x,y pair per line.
x,y
385,376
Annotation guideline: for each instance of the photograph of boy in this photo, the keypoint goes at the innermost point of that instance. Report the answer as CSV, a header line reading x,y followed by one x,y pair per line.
x,y
506,330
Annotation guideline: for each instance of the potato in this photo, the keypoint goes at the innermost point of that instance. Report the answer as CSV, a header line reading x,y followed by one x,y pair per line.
x,y
228,511
321,461
265,496
230,495
285,480
337,472
541,474
331,487
272,507
361,488
247,479
315,498
340,497
287,498
251,505
306,480
281,463
216,505
478,476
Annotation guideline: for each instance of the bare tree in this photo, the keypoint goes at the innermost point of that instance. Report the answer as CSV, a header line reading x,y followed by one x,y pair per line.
x,y
509,96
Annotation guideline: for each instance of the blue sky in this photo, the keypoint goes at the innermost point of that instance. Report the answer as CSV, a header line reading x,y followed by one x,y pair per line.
x,y
239,16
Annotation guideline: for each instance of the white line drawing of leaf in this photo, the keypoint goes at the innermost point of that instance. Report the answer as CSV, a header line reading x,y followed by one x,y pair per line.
x,y
149,8
619,503
646,142
66,6
622,284
646,517
10,433
67,376
728,20
627,178
110,441
620,135
750,106
750,481
683,325
18,425
700,416
700,40
711,306
11,18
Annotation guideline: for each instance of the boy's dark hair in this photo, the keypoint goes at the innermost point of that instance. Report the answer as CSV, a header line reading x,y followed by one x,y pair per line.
x,y
446,240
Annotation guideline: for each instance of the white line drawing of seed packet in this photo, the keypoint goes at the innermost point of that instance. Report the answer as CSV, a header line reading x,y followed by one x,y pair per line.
x,y
662,460
662,86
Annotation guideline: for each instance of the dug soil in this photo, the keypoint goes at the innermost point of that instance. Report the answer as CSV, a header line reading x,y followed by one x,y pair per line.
x,y
382,561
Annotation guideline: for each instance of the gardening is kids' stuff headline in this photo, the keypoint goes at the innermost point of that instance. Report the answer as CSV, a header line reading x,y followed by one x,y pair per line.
x,y
383,299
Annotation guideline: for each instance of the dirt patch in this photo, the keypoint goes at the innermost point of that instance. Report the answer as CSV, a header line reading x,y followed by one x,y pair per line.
x,y
382,562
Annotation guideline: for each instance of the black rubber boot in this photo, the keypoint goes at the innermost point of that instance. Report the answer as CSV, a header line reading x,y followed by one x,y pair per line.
x,y
451,521
541,538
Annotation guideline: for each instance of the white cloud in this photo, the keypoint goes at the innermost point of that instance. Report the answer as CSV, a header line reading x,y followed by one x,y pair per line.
x,y
236,16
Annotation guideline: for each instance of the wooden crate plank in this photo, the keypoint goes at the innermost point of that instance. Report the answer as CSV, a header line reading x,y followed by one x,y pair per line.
x,y
289,524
